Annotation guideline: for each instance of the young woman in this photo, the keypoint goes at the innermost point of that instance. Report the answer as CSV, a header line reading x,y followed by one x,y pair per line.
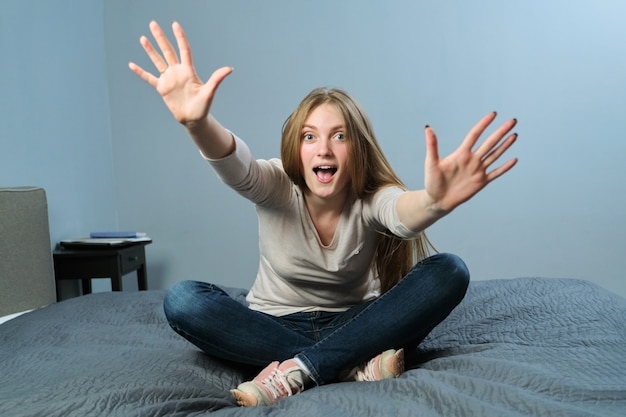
x,y
344,282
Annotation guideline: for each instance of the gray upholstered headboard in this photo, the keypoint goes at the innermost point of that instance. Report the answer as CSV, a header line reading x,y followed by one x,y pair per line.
x,y
26,269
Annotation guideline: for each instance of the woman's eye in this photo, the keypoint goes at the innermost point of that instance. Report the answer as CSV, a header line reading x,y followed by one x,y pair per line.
x,y
307,136
340,136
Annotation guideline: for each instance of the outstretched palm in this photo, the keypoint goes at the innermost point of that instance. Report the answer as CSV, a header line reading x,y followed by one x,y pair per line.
x,y
456,178
184,93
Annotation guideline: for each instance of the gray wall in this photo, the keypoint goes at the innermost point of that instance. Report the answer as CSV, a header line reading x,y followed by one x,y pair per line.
x,y
54,111
557,66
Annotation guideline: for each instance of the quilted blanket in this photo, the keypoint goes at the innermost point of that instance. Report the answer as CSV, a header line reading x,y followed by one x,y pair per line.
x,y
526,346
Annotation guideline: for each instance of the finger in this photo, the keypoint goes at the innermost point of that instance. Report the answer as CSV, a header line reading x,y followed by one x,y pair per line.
x,y
501,170
183,44
144,75
154,56
478,129
492,141
497,152
166,47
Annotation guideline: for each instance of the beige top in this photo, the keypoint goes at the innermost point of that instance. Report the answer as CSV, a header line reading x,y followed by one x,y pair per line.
x,y
296,271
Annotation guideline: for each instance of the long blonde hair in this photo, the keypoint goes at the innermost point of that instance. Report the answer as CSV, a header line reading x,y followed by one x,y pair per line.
x,y
369,171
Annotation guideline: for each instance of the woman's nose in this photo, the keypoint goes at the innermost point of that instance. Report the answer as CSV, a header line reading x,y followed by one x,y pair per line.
x,y
323,147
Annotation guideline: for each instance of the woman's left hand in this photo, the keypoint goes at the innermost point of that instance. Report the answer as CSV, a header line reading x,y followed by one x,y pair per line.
x,y
456,178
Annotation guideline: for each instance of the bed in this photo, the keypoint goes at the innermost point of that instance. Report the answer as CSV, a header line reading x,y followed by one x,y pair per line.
x,y
514,347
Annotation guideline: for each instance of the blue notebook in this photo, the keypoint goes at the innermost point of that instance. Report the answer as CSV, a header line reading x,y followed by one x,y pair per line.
x,y
117,235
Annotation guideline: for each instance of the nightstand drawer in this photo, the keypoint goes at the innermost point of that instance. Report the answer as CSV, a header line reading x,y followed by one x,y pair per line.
x,y
132,258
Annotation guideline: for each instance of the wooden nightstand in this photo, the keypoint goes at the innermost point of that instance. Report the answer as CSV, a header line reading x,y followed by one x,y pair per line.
x,y
86,263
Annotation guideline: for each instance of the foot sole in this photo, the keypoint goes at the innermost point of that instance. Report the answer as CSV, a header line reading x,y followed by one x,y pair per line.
x,y
244,399
395,365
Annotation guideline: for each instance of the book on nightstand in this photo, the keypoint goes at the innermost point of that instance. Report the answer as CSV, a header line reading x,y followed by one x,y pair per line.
x,y
117,235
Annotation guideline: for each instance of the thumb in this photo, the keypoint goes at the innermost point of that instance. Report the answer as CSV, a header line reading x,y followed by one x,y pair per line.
x,y
216,79
432,150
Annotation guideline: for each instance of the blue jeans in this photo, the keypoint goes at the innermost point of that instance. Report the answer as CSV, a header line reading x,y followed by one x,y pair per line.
x,y
326,342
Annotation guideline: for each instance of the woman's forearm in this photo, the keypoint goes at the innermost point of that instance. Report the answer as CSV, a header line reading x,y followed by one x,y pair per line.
x,y
213,140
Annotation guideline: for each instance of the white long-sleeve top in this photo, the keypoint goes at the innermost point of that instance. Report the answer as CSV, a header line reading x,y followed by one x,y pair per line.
x,y
296,271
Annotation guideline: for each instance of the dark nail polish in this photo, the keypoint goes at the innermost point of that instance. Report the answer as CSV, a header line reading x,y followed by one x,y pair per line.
x,y
426,127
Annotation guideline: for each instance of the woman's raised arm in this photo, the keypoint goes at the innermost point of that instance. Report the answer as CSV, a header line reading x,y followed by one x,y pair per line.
x,y
185,95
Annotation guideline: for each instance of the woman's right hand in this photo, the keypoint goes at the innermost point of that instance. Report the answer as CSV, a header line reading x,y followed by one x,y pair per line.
x,y
184,93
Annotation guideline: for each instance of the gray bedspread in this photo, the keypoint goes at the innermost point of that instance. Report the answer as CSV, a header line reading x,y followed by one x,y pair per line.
x,y
527,346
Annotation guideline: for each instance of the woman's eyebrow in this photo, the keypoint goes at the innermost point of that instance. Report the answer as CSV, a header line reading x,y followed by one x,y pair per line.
x,y
338,127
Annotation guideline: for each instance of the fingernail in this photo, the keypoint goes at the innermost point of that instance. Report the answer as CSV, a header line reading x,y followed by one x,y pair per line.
x,y
426,127
495,113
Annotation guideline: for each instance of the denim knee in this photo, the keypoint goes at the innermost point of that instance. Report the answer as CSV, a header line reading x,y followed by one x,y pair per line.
x,y
176,300
456,276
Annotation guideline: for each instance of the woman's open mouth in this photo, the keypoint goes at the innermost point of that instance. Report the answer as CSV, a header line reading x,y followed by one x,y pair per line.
x,y
325,172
